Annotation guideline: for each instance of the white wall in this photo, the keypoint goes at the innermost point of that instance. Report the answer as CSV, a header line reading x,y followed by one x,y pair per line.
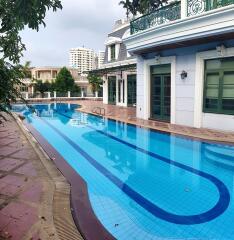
x,y
218,121
187,94
185,90
105,90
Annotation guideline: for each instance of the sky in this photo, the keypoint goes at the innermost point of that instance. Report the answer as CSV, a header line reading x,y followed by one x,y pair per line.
x,y
79,23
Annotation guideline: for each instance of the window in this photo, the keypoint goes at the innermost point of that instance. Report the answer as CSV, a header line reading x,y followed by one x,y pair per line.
x,y
219,86
112,52
23,89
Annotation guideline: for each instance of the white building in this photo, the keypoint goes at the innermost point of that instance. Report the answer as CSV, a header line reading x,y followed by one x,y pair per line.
x,y
81,59
118,69
185,63
100,56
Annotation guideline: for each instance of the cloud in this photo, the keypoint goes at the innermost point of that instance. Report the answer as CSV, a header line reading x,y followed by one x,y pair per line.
x,y
84,22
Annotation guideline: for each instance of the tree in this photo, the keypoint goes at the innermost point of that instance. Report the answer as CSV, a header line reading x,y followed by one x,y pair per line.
x,y
9,77
95,81
64,81
27,69
14,17
141,6
42,87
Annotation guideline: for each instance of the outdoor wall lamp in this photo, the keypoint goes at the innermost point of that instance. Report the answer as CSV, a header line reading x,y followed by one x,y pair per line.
x,y
220,49
157,58
183,75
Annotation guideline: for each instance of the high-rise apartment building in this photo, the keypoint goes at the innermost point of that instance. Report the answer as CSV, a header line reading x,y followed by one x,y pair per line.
x,y
101,56
81,59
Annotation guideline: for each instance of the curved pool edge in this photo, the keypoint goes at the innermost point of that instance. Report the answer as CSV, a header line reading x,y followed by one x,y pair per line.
x,y
82,212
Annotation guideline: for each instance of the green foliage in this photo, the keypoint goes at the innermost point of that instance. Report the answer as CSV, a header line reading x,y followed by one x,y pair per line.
x,y
14,17
9,77
26,69
42,87
95,81
64,81
141,6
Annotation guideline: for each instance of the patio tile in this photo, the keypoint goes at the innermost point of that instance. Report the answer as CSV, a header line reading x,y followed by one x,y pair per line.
x,y
6,150
11,190
17,210
33,193
4,221
13,180
7,164
27,169
24,154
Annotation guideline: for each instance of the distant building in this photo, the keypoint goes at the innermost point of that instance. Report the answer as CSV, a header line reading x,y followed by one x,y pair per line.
x,y
49,74
100,56
82,59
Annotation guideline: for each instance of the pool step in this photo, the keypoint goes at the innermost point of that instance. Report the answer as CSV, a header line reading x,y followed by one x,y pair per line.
x,y
224,153
220,157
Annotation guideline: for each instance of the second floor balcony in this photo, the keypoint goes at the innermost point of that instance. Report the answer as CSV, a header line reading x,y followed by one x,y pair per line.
x,y
174,11
181,24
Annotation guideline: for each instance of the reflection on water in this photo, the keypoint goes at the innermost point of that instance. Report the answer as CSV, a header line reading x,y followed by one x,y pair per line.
x,y
115,146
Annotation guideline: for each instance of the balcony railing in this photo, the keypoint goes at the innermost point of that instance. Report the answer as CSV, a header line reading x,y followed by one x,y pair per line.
x,y
195,7
173,12
163,15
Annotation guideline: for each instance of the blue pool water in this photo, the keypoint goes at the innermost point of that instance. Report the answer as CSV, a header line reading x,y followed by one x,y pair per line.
x,y
144,184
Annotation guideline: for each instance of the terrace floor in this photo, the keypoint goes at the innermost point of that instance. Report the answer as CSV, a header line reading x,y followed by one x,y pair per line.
x,y
128,115
28,192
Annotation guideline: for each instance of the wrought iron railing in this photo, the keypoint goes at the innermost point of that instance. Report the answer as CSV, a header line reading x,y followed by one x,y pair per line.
x,y
163,15
172,12
196,7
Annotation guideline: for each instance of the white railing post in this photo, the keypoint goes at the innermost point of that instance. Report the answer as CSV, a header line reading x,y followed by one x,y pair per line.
x,y
48,94
26,95
184,8
68,94
55,94
96,94
82,94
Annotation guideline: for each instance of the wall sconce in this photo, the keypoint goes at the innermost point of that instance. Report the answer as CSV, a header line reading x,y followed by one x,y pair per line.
x,y
220,49
157,58
183,75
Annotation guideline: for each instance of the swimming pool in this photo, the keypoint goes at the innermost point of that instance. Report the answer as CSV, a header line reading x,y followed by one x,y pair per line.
x,y
143,184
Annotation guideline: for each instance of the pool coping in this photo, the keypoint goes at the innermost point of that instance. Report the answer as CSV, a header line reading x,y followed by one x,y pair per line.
x,y
160,129
63,220
85,220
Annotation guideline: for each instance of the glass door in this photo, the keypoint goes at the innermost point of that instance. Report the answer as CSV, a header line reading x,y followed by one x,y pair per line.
x,y
161,96
131,82
112,90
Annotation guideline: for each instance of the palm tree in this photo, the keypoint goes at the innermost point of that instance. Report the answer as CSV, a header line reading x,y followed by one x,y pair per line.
x,y
27,69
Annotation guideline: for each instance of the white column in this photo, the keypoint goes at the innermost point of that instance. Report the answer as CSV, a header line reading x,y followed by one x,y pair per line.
x,y
55,94
68,94
184,4
48,94
105,90
26,95
96,94
82,93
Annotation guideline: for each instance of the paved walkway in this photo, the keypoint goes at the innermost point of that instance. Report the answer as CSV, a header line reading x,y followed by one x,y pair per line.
x,y
129,115
26,190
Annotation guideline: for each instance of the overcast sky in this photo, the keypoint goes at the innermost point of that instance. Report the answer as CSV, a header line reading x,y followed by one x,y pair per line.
x,y
80,22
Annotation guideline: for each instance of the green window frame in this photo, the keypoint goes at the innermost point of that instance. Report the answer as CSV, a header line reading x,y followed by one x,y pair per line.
x,y
219,86
112,50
